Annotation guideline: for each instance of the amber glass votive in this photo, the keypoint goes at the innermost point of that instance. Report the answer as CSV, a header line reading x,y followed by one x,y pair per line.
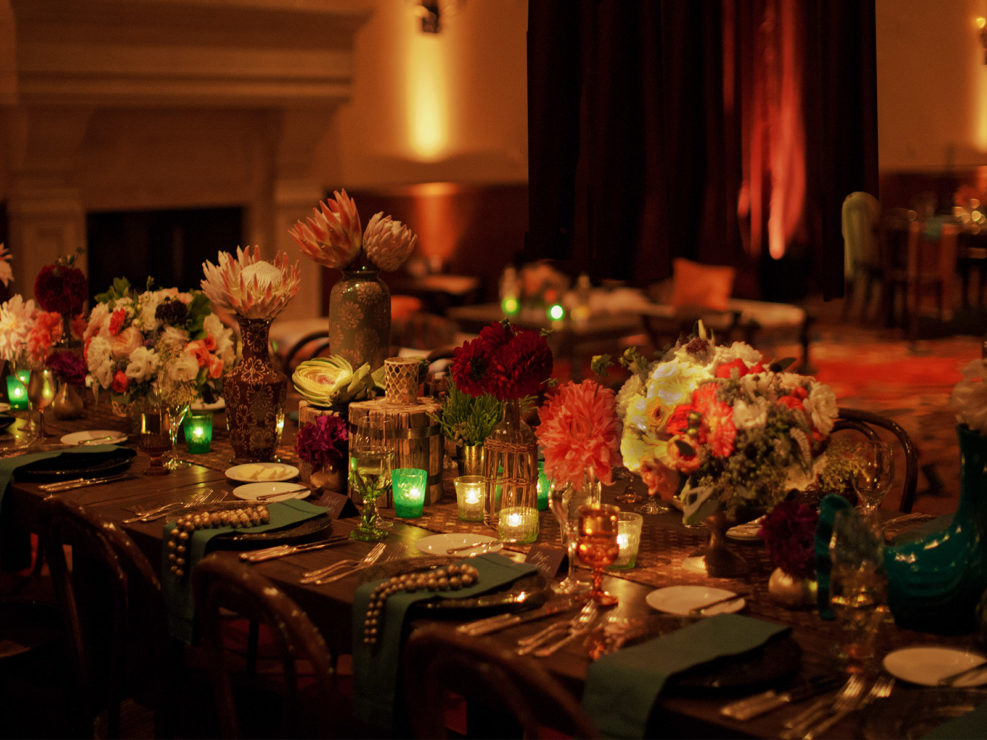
x,y
198,432
16,393
471,493
408,485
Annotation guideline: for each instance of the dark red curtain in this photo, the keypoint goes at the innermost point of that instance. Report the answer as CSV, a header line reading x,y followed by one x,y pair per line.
x,y
724,131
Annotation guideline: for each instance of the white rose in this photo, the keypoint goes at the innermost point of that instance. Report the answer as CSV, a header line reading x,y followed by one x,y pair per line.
x,y
752,415
142,365
183,369
821,407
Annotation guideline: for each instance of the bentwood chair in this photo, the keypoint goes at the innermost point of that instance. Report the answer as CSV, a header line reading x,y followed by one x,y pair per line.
x,y
112,611
301,698
868,423
494,682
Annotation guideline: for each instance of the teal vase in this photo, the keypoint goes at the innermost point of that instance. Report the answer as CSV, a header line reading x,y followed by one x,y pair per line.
x,y
936,582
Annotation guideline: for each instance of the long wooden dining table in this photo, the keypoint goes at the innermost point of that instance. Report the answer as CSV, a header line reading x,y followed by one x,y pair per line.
x,y
687,711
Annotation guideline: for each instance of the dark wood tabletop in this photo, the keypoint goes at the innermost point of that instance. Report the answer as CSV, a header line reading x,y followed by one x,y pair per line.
x,y
665,545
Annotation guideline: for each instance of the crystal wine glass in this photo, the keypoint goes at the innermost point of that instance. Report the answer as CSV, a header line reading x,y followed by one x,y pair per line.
x,y
560,500
597,545
873,476
176,413
370,475
41,392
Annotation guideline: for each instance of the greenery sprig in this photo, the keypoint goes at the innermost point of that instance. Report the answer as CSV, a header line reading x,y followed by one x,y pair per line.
x,y
466,419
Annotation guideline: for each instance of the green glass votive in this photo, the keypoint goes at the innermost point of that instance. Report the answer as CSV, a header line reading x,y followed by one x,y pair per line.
x,y
198,432
16,393
544,484
408,485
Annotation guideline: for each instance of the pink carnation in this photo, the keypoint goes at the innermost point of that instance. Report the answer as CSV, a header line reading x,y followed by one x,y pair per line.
x,y
579,433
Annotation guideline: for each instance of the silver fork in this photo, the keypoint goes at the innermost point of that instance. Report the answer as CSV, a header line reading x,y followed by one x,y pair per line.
x,y
316,576
880,690
528,644
582,626
800,724
173,507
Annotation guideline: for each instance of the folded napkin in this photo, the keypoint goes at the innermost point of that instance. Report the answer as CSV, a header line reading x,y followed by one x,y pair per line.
x,y
965,727
621,688
15,546
375,670
177,591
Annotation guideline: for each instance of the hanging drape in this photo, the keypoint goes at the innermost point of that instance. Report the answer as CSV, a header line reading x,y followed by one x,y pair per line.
x,y
724,131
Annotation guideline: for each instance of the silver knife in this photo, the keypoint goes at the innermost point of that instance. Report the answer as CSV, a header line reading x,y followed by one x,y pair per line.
x,y
503,621
279,551
68,485
754,706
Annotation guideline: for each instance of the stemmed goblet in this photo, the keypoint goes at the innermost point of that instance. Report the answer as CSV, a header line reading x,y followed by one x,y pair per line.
x,y
176,413
564,504
370,475
873,476
41,392
597,545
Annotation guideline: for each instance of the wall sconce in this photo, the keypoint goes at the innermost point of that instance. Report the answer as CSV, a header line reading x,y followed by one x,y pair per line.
x,y
982,30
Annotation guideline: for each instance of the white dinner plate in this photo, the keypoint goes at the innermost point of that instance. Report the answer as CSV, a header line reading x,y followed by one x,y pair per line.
x,y
746,532
251,491
217,405
440,544
926,665
682,599
94,436
266,472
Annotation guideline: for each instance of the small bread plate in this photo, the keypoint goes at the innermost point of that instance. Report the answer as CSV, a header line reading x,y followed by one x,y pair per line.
x,y
270,492
927,665
681,600
746,532
94,436
440,544
266,472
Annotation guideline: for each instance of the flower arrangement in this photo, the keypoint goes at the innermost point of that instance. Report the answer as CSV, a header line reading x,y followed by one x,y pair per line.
x,y
579,433
332,237
719,428
68,366
468,420
969,396
322,443
61,288
160,343
504,361
16,321
249,286
46,331
789,537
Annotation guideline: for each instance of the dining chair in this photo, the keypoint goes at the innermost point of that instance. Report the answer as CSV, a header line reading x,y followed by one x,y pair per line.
x,y
894,244
112,613
438,662
868,423
861,254
302,698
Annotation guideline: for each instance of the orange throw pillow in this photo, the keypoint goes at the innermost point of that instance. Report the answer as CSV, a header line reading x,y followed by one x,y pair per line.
x,y
706,286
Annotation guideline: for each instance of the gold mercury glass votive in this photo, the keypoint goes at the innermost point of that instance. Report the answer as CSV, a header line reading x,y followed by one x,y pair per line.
x,y
471,493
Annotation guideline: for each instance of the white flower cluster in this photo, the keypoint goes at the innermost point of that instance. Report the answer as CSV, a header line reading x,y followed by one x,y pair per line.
x,y
16,318
970,396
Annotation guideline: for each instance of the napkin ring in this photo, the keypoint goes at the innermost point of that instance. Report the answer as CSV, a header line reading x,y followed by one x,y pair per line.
x,y
178,537
447,578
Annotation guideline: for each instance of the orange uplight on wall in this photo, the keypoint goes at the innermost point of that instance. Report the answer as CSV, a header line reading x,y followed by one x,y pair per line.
x,y
428,96
980,91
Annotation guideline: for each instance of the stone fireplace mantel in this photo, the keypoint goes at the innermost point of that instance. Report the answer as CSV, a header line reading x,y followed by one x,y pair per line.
x,y
145,104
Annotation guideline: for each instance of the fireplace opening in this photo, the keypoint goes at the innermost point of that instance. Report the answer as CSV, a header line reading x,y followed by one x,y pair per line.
x,y
168,245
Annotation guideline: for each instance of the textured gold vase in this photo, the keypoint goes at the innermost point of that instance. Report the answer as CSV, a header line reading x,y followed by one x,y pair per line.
x,y
360,318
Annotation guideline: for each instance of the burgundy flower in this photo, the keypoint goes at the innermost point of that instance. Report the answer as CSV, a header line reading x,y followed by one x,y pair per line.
x,y
62,289
68,366
789,536
503,362
323,442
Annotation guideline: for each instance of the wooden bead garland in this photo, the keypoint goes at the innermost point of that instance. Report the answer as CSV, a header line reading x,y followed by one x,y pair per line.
x,y
178,537
447,578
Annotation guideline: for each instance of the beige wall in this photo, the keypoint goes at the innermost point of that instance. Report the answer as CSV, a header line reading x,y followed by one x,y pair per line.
x,y
931,85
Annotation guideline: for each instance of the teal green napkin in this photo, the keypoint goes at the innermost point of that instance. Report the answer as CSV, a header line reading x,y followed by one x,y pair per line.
x,y
969,726
621,688
177,591
375,670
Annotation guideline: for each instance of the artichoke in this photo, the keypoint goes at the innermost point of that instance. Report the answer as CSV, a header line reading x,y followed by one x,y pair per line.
x,y
327,381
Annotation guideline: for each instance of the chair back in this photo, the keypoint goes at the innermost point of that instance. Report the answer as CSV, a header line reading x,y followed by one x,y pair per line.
x,y
861,215
222,585
438,661
112,612
867,423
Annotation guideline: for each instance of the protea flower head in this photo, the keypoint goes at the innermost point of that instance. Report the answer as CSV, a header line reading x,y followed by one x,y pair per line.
x,y
387,242
333,235
249,286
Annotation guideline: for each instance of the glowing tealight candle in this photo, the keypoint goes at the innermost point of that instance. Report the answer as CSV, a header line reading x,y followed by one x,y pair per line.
x,y
518,524
198,432
16,393
628,538
471,490
544,484
409,491
556,312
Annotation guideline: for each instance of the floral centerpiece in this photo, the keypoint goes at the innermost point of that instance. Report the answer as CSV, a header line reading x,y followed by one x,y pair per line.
x,y
61,288
721,429
504,361
359,302
255,291
157,344
16,321
467,420
321,445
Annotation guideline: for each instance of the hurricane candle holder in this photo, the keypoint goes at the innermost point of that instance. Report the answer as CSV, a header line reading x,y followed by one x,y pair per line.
x,y
471,491
16,393
629,527
409,491
518,524
198,433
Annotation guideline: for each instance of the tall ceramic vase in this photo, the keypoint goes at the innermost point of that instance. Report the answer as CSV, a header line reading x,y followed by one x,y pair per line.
x,y
935,583
360,318
255,391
